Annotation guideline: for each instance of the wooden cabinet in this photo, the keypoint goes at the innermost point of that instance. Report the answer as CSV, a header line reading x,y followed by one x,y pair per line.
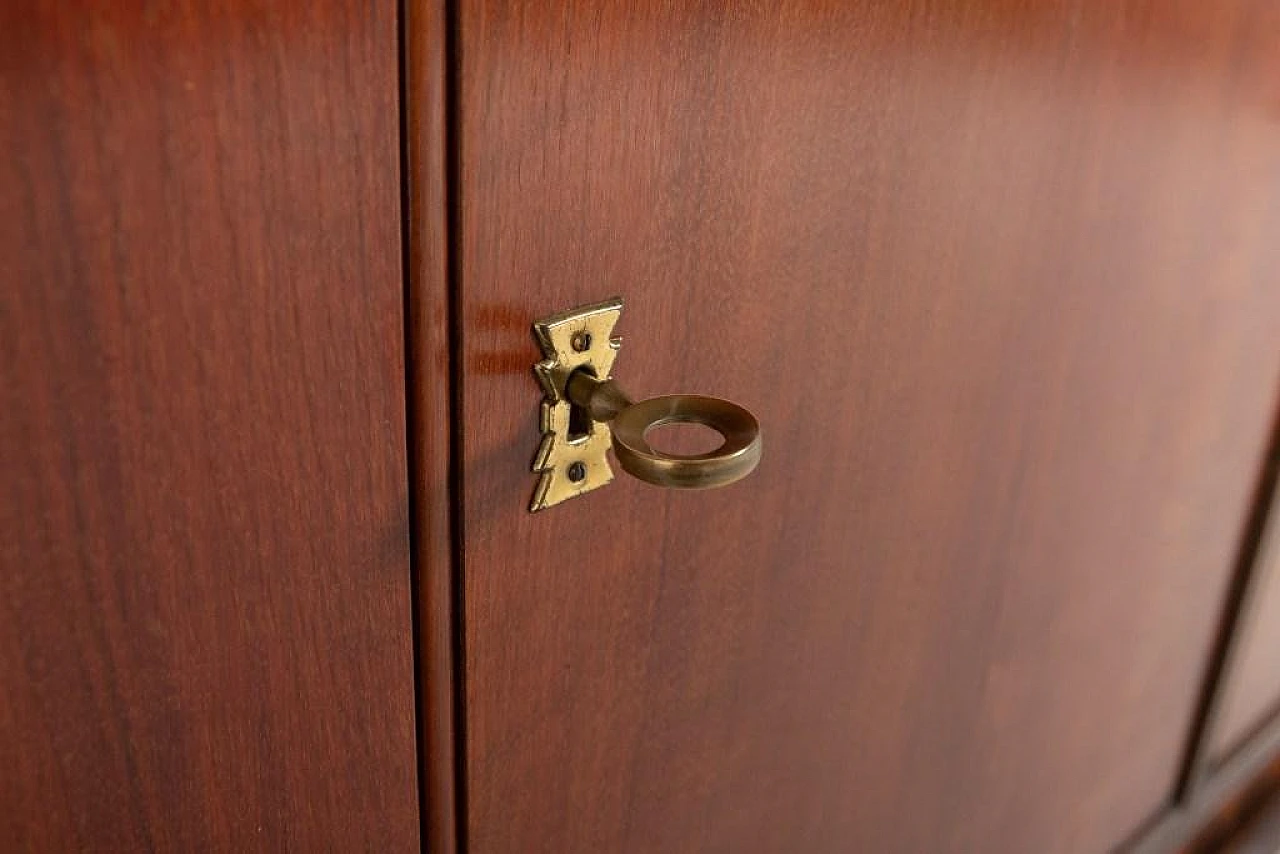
x,y
998,278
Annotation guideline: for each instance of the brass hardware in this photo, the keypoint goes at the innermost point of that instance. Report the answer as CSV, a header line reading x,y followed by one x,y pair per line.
x,y
571,458
584,412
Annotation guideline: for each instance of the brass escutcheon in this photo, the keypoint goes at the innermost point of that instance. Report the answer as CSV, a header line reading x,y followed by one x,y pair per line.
x,y
585,412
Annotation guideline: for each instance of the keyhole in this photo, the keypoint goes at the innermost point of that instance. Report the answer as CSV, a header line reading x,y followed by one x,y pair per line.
x,y
579,418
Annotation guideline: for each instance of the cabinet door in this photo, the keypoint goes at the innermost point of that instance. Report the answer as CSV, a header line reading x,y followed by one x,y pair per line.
x,y
205,637
999,279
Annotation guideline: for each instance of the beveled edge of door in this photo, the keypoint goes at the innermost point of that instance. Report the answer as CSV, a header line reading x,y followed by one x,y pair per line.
x,y
433,391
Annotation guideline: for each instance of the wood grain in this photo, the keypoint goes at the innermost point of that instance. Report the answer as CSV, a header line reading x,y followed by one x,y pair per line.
x,y
999,280
205,609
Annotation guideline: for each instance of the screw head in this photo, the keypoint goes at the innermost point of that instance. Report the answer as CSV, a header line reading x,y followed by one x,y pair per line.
x,y
577,472
581,342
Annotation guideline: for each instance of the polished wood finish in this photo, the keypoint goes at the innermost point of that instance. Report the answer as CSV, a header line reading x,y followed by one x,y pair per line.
x,y
431,409
999,280
1252,691
205,638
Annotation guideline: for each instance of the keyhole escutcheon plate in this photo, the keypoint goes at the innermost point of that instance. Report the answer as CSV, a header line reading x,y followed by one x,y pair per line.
x,y
572,457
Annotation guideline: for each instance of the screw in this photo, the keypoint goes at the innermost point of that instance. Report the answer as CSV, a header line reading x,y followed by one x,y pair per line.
x,y
581,342
577,472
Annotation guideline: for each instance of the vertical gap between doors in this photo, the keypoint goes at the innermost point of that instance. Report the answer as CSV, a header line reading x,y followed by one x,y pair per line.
x,y
412,416
427,41
453,202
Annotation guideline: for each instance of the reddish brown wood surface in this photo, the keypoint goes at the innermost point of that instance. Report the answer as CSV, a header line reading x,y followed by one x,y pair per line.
x,y
999,279
205,637
1251,694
